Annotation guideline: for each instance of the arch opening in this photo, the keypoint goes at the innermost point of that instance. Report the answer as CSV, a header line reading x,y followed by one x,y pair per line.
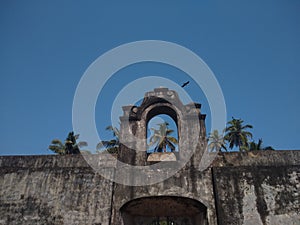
x,y
166,210
162,133
158,127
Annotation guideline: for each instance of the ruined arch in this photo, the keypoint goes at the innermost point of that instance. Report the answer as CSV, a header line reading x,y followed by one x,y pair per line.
x,y
154,124
165,108
133,130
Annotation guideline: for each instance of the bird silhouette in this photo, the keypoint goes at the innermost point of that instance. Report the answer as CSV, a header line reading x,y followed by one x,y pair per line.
x,y
186,83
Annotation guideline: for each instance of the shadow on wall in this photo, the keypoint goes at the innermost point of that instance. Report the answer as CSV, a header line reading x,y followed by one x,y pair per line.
x,y
164,210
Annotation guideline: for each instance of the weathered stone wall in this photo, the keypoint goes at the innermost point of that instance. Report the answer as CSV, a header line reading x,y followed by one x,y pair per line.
x,y
258,195
259,188
239,188
188,182
52,190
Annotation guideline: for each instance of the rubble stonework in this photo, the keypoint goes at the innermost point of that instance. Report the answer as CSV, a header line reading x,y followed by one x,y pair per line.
x,y
65,190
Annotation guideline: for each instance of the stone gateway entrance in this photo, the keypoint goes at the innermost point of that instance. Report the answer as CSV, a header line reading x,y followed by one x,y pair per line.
x,y
183,198
164,210
260,188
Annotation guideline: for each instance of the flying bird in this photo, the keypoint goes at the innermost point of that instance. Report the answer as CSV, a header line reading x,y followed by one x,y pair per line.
x,y
186,83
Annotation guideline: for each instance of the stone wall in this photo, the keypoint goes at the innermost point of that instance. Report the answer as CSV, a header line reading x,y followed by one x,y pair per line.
x,y
257,195
188,183
239,188
52,190
259,188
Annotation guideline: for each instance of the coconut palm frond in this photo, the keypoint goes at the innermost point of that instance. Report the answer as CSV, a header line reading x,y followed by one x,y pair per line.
x,y
172,139
237,135
161,138
111,146
68,147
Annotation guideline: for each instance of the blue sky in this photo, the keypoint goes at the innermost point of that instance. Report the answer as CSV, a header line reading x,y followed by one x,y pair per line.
x,y
252,47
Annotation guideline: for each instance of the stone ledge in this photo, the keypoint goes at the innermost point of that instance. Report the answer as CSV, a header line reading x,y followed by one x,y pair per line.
x,y
258,158
253,158
51,161
161,156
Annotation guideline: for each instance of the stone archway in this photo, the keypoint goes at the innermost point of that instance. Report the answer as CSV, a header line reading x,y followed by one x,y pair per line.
x,y
140,201
164,210
133,130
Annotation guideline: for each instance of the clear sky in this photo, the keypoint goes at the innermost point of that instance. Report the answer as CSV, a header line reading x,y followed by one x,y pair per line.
x,y
253,48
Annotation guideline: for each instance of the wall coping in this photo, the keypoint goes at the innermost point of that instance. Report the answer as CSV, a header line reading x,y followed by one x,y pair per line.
x,y
252,158
258,158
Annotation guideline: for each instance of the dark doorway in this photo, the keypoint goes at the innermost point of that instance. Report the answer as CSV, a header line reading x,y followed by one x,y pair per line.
x,y
164,210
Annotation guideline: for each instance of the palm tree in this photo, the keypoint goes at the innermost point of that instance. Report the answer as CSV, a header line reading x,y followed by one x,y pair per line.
x,y
236,134
70,146
216,142
255,146
111,146
162,139
258,146
58,147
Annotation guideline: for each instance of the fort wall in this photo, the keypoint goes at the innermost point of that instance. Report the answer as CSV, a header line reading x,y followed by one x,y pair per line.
x,y
238,188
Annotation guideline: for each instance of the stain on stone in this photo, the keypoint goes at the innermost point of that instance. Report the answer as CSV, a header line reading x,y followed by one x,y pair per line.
x,y
261,203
